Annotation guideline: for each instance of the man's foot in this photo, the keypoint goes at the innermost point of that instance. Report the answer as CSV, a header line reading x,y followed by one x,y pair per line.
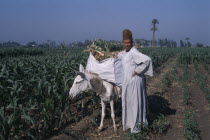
x,y
126,131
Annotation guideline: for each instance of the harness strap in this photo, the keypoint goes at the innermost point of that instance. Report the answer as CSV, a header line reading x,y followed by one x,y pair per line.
x,y
101,88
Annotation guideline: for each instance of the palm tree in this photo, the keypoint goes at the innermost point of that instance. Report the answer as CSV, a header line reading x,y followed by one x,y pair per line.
x,y
153,29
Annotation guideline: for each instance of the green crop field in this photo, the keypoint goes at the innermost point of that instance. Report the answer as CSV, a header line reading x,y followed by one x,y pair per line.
x,y
34,86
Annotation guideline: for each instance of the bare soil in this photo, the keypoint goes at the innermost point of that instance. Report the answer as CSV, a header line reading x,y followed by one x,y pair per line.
x,y
174,96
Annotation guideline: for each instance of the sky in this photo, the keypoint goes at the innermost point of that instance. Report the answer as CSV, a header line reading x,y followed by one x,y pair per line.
x,y
77,20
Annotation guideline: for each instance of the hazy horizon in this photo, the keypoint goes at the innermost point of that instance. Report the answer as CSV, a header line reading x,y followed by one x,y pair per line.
x,y
77,20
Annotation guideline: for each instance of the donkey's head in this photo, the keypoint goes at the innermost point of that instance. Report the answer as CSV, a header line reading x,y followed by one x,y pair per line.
x,y
80,83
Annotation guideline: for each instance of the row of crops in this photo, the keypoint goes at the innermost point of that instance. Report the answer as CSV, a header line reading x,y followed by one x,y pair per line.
x,y
14,52
200,58
190,55
191,127
203,81
34,90
159,55
33,93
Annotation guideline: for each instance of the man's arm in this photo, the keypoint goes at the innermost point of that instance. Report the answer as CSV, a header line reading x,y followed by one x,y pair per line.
x,y
142,61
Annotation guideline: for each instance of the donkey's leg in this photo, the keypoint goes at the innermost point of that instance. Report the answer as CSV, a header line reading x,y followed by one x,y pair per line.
x,y
113,115
102,115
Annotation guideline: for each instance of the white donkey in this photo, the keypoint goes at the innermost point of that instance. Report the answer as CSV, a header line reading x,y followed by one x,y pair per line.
x,y
107,92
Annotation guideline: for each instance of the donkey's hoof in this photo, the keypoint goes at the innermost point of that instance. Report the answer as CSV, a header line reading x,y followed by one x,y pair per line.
x,y
99,129
115,129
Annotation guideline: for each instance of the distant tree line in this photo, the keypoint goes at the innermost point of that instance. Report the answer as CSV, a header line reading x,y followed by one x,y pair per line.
x,y
160,42
167,43
111,44
9,44
47,44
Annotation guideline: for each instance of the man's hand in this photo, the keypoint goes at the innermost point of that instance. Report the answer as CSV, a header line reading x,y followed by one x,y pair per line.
x,y
135,73
114,54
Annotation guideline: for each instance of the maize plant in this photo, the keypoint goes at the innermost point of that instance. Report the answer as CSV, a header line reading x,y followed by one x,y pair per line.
x,y
34,86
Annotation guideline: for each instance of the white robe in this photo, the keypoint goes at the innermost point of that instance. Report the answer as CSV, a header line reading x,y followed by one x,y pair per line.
x,y
134,96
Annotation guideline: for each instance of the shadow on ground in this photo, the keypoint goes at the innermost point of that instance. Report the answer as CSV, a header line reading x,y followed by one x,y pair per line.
x,y
158,105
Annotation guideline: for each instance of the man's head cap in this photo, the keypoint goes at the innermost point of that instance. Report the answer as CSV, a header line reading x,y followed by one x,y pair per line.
x,y
127,35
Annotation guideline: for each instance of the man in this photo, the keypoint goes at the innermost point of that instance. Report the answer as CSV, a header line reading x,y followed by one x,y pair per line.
x,y
134,97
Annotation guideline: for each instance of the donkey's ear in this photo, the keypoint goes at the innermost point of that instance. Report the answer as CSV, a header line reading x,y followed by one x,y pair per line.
x,y
81,74
81,68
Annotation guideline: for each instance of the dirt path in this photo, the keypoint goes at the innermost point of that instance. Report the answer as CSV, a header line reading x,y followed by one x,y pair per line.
x,y
175,98
76,131
154,83
200,106
86,129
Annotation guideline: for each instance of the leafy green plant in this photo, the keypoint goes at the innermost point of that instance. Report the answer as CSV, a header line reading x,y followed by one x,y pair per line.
x,y
139,136
161,124
166,81
185,88
186,94
191,129
202,80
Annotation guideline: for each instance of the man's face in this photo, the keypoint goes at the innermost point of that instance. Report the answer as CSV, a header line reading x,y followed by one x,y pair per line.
x,y
127,44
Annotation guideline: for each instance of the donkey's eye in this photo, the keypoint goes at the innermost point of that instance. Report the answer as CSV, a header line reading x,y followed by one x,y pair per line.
x,y
79,81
